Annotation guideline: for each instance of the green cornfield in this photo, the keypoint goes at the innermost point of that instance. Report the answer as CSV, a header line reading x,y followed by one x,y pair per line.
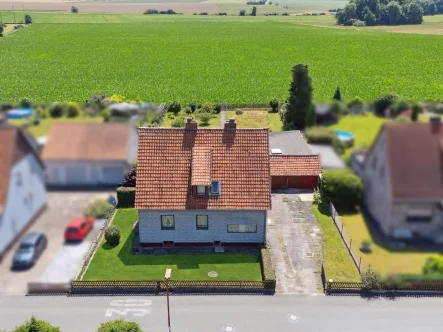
x,y
239,62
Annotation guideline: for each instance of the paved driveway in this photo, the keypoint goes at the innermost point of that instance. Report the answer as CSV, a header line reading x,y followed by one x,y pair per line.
x,y
60,261
296,244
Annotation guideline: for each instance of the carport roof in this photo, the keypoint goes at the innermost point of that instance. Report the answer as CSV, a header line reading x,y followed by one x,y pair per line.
x,y
88,141
295,165
289,142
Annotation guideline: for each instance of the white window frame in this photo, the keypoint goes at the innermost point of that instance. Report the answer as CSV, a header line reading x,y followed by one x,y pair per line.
x,y
201,217
201,190
167,227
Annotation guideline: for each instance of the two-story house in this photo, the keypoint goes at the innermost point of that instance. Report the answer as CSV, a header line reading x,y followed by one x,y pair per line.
x,y
22,185
403,179
203,187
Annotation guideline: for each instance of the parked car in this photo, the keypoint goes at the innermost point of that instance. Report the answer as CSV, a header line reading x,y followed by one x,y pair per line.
x,y
78,228
112,200
29,250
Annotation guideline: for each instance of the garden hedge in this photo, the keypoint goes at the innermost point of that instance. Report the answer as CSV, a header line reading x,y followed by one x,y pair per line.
x,y
266,265
126,197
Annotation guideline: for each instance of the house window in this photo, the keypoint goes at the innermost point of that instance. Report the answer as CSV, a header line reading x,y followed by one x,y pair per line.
x,y
201,190
167,222
216,188
419,219
202,222
242,228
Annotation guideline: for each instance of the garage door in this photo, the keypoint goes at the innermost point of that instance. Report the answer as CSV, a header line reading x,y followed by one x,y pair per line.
x,y
278,182
76,176
113,175
302,182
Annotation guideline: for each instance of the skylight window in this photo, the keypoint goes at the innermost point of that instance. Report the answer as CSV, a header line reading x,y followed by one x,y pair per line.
x,y
216,188
276,151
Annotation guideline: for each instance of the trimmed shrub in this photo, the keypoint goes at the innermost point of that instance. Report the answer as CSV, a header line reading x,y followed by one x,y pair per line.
x,y
366,246
204,118
173,107
324,135
106,115
126,197
99,208
26,103
242,12
239,112
274,104
112,235
433,265
28,19
56,110
343,188
382,103
179,122
119,325
370,279
36,325
266,265
72,111
416,110
188,110
193,106
217,108
74,10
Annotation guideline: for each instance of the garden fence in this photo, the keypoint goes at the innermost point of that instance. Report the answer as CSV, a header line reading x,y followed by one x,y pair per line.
x,y
352,246
177,286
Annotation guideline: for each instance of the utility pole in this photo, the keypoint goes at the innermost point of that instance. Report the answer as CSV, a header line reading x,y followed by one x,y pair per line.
x,y
13,12
167,278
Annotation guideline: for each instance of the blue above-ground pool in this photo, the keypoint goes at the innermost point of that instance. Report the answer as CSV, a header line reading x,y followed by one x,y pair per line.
x,y
346,137
20,113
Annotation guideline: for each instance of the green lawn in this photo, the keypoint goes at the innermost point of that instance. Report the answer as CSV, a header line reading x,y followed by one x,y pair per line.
x,y
383,259
257,119
213,123
45,124
336,259
118,264
364,128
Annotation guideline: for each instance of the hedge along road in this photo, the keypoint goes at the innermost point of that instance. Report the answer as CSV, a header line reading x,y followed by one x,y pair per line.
x,y
239,61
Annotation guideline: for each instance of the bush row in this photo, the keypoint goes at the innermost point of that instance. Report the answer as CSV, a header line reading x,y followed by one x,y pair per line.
x,y
126,197
266,265
36,325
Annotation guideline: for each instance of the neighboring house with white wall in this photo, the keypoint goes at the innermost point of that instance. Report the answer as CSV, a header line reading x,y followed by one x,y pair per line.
x,y
89,154
203,187
22,185
403,180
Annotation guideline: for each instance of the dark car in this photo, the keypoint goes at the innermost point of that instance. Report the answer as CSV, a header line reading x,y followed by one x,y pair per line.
x,y
30,249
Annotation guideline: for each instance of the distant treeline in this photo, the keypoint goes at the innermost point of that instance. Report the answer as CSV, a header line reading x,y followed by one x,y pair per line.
x,y
261,2
387,12
155,11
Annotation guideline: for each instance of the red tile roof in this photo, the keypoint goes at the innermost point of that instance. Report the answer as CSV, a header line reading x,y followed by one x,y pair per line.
x,y
240,160
295,165
415,159
13,147
88,141
201,166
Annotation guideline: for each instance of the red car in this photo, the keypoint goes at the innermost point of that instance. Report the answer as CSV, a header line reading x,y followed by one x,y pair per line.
x,y
78,228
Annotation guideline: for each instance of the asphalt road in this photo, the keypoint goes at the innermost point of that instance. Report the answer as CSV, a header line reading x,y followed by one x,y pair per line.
x,y
242,313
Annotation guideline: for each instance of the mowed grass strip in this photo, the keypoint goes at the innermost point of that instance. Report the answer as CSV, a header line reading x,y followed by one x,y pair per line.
x,y
383,259
257,119
336,259
117,263
235,62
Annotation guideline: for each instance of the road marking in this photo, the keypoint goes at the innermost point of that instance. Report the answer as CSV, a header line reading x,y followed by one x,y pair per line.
x,y
228,328
292,318
129,311
125,312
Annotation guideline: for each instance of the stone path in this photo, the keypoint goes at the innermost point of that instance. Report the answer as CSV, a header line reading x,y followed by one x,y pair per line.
x,y
296,245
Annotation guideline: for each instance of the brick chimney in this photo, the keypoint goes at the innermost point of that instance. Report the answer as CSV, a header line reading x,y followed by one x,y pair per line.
x,y
435,124
230,124
191,124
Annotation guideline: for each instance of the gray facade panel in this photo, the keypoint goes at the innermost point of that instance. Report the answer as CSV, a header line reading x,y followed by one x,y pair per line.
x,y
186,228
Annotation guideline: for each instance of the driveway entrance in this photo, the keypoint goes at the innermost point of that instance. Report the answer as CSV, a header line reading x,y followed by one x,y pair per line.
x,y
296,244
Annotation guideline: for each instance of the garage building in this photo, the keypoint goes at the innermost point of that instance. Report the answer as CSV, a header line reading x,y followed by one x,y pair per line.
x,y
89,154
292,163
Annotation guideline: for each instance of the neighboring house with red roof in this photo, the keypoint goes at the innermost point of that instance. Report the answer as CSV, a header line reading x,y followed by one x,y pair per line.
x,y
293,164
22,185
203,186
89,154
403,179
